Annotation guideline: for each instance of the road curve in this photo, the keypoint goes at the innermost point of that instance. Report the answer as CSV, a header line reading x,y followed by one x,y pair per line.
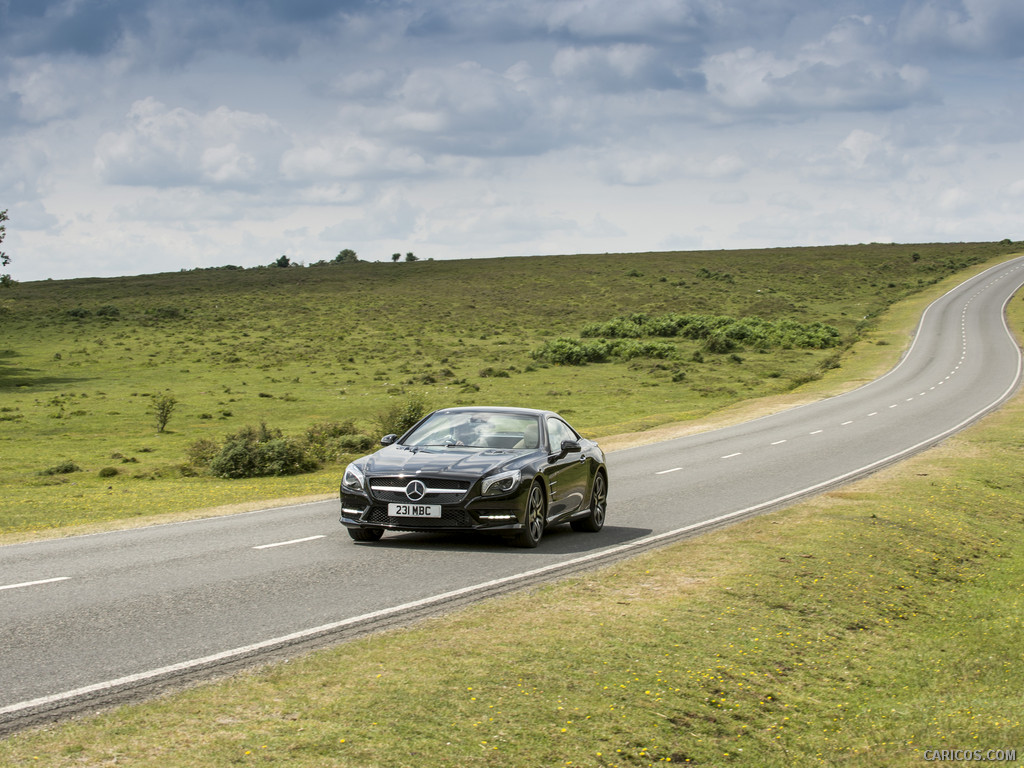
x,y
93,619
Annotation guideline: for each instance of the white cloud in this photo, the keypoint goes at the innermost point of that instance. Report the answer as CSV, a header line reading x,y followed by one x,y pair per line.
x,y
986,28
167,147
46,90
1016,189
390,219
844,70
639,168
606,18
613,66
32,215
25,167
350,157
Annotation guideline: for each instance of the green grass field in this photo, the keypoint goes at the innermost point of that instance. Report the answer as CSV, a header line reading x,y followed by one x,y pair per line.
x,y
866,627
82,362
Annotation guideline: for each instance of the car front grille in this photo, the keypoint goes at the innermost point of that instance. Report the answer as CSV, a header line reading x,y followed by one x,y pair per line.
x,y
454,518
439,490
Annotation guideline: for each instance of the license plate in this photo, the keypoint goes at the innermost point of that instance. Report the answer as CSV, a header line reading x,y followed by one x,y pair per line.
x,y
414,510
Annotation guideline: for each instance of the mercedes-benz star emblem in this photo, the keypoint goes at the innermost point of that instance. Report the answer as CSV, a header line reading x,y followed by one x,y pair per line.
x,y
415,490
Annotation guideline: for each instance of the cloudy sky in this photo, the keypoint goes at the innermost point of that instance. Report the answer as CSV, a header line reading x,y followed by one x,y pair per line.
x,y
156,135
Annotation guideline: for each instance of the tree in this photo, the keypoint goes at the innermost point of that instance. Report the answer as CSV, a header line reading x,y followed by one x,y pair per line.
x,y
284,261
395,257
346,256
162,408
410,256
4,258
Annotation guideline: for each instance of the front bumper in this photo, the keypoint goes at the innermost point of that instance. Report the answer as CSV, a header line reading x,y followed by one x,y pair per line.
x,y
503,514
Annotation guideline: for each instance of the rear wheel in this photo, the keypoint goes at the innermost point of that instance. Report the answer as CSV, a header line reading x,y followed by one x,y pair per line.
x,y
536,519
366,534
594,522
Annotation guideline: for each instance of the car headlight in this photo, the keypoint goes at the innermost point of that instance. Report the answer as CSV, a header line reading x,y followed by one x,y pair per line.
x,y
353,479
503,483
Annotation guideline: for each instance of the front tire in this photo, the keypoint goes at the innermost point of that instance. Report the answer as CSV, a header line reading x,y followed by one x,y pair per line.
x,y
365,534
594,522
536,519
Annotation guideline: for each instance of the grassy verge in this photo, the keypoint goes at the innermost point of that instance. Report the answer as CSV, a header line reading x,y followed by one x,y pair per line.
x,y
861,628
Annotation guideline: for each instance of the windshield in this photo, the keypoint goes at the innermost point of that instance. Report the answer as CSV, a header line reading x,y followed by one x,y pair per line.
x,y
477,429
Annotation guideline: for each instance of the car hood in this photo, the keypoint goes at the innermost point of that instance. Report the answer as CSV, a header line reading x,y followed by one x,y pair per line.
x,y
399,460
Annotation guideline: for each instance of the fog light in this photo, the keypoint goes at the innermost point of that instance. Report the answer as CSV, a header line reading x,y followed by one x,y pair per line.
x,y
497,517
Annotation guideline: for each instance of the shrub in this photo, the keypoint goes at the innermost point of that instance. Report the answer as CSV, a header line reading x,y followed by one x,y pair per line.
x,y
329,441
719,343
260,452
64,468
108,472
167,313
720,333
201,453
495,373
572,352
627,350
355,443
619,328
399,417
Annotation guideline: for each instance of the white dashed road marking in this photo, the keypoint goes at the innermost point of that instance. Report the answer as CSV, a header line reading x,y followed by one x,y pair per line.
x,y
286,543
34,583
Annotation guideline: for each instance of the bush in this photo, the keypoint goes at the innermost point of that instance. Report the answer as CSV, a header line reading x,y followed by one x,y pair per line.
x,y
329,441
201,453
720,333
493,373
572,352
356,443
719,343
399,417
618,328
627,350
167,313
108,472
64,468
260,452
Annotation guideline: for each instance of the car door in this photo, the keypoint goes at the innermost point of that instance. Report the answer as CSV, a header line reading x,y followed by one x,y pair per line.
x,y
567,472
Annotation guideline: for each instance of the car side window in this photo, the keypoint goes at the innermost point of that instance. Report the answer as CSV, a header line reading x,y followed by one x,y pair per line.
x,y
558,431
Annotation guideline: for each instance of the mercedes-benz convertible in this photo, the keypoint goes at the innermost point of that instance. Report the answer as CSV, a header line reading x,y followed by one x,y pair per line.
x,y
512,472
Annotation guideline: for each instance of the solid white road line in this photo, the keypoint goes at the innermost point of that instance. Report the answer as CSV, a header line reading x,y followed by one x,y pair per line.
x,y
34,583
667,471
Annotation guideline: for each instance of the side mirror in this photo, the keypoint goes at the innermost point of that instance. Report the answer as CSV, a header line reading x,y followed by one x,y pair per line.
x,y
388,439
571,446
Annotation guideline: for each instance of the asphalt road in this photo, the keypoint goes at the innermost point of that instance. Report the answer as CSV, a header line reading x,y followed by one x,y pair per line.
x,y
91,619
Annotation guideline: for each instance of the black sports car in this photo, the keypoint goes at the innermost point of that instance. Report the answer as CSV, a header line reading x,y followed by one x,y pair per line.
x,y
506,471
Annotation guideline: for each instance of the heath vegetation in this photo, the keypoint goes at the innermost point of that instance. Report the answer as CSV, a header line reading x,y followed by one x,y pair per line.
x,y
207,387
